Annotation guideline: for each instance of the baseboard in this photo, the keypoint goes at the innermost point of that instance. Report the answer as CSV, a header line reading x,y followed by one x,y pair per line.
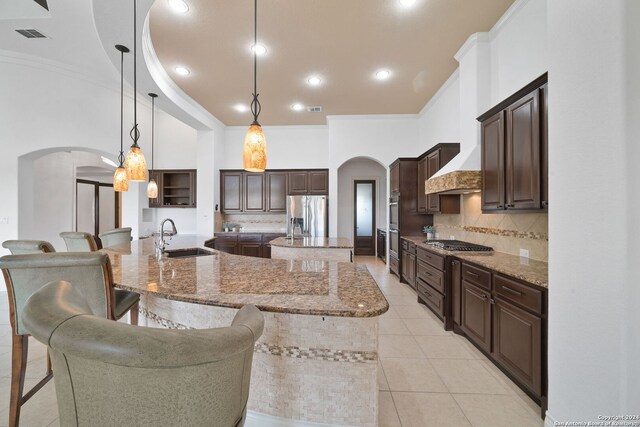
x,y
257,419
549,421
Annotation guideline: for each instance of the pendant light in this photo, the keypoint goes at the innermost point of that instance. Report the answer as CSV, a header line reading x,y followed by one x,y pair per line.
x,y
120,181
135,163
255,145
152,187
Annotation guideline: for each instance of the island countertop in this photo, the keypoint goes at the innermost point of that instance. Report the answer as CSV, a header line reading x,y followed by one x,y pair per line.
x,y
283,286
313,242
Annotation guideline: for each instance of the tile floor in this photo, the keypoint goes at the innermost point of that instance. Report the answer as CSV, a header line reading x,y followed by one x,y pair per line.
x,y
428,377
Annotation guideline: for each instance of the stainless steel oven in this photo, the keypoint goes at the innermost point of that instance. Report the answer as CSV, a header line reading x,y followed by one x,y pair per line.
x,y
394,242
394,213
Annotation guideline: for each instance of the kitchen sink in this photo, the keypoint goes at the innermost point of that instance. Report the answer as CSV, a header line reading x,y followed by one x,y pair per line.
x,y
186,253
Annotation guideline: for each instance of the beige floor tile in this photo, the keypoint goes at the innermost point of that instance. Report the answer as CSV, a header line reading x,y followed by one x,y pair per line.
x,y
398,346
477,354
468,376
391,326
443,347
55,423
412,375
496,411
390,314
425,326
428,410
416,311
402,300
387,414
395,288
383,385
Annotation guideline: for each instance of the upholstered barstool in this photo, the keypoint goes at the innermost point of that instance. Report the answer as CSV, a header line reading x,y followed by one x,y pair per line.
x,y
117,374
23,247
78,241
25,274
116,237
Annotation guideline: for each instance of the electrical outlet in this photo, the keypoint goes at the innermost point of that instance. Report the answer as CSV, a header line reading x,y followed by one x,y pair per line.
x,y
524,253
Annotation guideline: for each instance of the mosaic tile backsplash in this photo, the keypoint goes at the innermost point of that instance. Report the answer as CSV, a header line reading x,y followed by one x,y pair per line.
x,y
506,233
276,223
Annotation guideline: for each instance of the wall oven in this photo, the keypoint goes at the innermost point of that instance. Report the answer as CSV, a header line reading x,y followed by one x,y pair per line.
x,y
394,242
394,213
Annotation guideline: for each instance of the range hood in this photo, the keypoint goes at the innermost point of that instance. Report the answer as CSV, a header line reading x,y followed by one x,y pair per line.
x,y
461,175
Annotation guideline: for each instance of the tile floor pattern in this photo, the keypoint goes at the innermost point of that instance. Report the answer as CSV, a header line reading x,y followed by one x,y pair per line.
x,y
428,377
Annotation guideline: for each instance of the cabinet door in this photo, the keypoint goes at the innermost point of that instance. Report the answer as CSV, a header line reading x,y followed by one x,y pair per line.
x,y
476,315
517,343
276,191
433,166
492,136
456,291
522,153
298,182
254,192
411,259
251,249
544,147
404,265
231,191
394,174
422,177
318,182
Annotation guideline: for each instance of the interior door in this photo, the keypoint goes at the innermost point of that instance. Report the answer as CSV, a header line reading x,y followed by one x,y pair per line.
x,y
364,217
97,207
85,207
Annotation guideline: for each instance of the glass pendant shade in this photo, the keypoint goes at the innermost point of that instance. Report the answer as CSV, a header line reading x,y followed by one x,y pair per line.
x,y
152,189
136,165
120,180
255,149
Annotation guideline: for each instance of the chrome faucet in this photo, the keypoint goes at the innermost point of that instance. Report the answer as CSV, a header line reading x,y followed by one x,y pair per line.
x,y
160,245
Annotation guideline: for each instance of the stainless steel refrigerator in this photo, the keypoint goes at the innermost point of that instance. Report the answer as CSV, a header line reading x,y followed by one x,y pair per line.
x,y
307,216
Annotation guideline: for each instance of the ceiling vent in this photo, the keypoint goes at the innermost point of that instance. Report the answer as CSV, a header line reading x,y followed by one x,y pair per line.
x,y
315,109
32,33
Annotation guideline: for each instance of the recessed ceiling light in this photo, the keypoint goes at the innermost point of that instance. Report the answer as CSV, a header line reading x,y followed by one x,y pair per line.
x,y
241,108
383,74
259,49
314,80
182,71
407,3
297,107
179,6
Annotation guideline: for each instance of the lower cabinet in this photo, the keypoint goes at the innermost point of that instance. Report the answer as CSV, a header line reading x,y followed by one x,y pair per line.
x,y
408,263
381,244
266,243
226,243
476,315
250,245
394,264
254,245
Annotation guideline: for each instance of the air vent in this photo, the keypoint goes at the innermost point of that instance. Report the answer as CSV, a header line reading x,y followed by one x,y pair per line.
x,y
315,109
32,33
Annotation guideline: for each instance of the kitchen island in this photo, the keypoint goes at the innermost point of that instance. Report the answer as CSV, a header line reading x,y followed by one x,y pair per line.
x,y
317,248
317,359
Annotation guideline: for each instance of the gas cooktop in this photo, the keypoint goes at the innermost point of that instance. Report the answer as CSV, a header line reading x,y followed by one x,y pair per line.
x,y
457,245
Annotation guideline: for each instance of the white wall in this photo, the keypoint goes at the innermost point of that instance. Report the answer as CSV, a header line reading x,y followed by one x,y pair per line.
x,y
594,105
360,168
439,120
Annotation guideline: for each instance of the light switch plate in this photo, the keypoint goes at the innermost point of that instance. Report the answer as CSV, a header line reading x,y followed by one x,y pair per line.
x,y
524,253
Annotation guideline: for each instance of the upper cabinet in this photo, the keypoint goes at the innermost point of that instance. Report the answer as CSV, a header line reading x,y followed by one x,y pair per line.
x,y
514,151
176,188
428,164
242,191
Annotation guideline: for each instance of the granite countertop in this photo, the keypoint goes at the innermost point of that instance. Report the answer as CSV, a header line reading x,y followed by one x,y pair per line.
x,y
528,270
313,242
319,288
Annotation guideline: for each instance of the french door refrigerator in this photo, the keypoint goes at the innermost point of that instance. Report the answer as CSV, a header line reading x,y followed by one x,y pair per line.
x,y
307,216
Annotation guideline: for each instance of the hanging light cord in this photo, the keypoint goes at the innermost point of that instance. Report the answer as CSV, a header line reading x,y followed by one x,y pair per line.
x,y
153,125
121,156
255,104
135,133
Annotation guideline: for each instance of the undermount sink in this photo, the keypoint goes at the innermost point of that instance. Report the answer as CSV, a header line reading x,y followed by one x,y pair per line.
x,y
185,253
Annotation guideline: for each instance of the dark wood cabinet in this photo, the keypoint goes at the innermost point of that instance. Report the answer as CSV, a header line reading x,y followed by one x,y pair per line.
x,y
231,191
176,188
247,244
394,177
492,136
394,264
433,166
522,151
298,183
250,245
381,244
309,182
254,192
456,291
428,164
277,191
514,151
266,243
423,174
226,243
476,315
319,182
408,263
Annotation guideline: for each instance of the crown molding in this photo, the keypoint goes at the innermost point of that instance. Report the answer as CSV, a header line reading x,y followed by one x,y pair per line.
x,y
372,117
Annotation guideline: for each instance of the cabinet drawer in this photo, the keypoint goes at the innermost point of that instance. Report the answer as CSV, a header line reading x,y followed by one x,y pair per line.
x,y
477,276
432,276
405,245
430,258
226,238
432,298
254,238
394,264
518,293
411,248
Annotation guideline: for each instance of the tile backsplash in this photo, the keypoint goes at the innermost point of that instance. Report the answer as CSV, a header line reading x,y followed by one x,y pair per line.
x,y
503,232
259,222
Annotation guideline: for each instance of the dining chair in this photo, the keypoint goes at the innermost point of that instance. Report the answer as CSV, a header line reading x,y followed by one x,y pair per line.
x,y
25,274
118,374
78,241
116,237
23,247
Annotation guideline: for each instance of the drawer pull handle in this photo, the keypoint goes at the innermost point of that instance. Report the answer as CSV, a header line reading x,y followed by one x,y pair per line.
x,y
428,274
513,291
483,297
471,273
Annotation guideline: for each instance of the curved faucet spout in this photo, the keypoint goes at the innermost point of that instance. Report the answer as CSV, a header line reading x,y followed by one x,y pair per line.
x,y
160,246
